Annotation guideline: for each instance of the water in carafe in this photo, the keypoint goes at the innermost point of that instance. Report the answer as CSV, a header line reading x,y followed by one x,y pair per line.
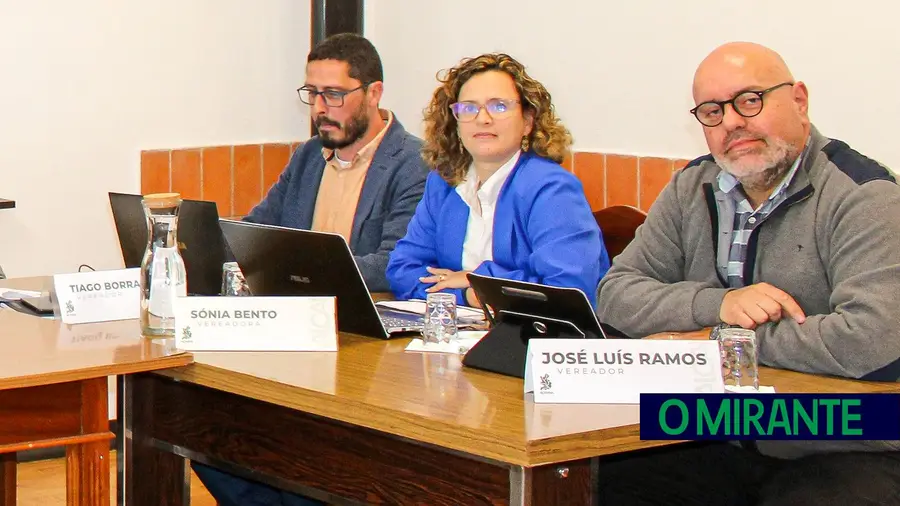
x,y
163,276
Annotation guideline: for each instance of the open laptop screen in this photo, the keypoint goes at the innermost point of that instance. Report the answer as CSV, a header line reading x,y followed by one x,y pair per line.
x,y
287,261
200,239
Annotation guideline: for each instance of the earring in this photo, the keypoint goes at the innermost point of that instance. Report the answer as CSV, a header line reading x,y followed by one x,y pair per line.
x,y
525,143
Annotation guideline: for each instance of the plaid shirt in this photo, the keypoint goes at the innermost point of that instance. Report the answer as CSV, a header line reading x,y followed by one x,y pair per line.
x,y
746,219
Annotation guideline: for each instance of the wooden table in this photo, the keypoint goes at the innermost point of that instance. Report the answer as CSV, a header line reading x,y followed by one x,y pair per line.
x,y
374,424
53,392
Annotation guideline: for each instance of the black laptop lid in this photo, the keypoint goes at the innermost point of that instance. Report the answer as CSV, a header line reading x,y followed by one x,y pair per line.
x,y
200,239
559,303
287,261
523,311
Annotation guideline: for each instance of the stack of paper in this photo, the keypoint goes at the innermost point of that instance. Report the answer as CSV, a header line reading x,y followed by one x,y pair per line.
x,y
464,314
465,341
7,294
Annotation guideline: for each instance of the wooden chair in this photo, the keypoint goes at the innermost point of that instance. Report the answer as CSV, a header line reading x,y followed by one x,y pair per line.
x,y
618,224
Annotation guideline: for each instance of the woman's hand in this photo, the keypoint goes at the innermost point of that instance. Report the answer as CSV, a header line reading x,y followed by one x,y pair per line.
x,y
444,278
471,298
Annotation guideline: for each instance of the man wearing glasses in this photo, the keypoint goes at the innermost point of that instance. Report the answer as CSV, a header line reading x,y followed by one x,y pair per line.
x,y
362,175
781,230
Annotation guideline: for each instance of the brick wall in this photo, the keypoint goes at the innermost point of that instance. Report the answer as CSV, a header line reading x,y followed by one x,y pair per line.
x,y
237,177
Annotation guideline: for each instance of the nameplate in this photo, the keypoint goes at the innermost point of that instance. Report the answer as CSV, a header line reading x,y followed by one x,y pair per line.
x,y
618,371
256,324
99,296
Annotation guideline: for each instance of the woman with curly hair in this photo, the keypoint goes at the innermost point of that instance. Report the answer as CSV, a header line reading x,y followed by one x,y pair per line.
x,y
498,203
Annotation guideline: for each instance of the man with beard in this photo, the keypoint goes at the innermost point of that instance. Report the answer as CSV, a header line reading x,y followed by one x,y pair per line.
x,y
362,175
784,231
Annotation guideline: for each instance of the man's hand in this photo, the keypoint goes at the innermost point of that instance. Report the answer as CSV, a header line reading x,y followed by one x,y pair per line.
x,y
701,335
757,304
444,278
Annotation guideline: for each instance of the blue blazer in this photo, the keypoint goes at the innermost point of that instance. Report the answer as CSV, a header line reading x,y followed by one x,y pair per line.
x,y
544,232
393,186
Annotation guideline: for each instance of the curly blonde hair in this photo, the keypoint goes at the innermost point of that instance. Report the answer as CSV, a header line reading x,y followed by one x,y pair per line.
x,y
443,149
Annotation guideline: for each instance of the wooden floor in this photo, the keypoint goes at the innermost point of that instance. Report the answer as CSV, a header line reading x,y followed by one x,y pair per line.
x,y
43,483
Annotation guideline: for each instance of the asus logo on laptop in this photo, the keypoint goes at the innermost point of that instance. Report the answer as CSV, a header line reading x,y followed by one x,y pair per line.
x,y
299,279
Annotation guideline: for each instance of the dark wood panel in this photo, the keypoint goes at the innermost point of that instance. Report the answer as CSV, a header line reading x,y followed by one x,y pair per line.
x,y
151,476
93,437
58,452
156,477
572,483
618,225
36,413
87,474
87,464
94,405
7,204
8,479
351,462
330,17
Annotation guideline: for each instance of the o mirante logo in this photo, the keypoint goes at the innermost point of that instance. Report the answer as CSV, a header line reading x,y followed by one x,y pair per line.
x,y
770,416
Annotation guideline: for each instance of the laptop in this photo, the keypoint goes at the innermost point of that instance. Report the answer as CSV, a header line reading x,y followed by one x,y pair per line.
x,y
287,261
200,240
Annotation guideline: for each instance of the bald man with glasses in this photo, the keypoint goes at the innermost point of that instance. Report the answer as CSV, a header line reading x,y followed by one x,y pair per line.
x,y
782,230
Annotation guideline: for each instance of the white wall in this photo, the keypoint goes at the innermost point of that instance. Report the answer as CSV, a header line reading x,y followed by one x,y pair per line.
x,y
87,84
620,72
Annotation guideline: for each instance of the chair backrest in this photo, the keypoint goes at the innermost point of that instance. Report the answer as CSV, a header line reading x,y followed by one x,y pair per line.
x,y
618,224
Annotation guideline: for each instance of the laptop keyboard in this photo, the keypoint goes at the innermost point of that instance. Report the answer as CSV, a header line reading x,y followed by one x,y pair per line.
x,y
395,322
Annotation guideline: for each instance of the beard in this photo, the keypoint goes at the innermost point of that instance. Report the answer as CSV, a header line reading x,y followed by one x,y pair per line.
x,y
353,130
762,168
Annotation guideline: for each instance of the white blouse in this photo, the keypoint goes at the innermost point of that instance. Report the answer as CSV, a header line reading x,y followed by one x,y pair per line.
x,y
479,241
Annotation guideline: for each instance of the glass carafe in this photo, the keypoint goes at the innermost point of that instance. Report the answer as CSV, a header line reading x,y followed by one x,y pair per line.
x,y
163,277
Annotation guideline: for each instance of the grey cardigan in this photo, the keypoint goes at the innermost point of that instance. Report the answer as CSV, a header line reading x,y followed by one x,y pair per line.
x,y
833,245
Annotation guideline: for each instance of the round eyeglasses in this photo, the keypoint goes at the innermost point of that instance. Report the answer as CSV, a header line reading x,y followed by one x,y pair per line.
x,y
497,108
332,97
746,103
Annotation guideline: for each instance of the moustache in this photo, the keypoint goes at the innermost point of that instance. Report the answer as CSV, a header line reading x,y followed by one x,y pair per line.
x,y
742,135
323,121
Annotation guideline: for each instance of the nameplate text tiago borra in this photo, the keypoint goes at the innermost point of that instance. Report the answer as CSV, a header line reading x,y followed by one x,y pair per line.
x,y
99,296
618,371
256,324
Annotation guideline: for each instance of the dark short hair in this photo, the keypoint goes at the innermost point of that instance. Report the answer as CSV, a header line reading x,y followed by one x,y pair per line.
x,y
356,50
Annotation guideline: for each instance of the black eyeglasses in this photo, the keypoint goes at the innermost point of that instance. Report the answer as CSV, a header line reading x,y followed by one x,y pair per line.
x,y
333,98
746,103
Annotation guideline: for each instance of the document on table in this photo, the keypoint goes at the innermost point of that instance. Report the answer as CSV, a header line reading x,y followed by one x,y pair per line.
x,y
464,314
7,294
465,341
